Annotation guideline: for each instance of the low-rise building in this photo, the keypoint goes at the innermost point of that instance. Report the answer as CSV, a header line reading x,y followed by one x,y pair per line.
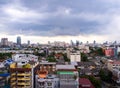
x,y
87,68
49,66
68,76
116,75
113,64
84,48
109,52
4,77
85,83
45,80
75,56
27,57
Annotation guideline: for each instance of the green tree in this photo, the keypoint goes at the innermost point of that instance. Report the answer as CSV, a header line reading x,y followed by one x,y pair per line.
x,y
105,75
51,59
66,58
5,55
84,57
100,52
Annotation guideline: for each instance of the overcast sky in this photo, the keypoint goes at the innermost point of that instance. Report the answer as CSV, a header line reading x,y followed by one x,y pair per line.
x,y
60,20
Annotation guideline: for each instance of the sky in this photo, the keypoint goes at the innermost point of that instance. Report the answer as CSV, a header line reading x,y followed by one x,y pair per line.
x,y
60,20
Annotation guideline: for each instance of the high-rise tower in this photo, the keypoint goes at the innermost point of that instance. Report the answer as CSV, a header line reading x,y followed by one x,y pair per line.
x,y
18,40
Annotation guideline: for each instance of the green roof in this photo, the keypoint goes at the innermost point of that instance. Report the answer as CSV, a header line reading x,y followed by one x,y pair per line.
x,y
65,72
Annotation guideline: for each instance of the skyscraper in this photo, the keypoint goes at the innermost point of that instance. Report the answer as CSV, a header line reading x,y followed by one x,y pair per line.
x,y
18,40
28,42
4,41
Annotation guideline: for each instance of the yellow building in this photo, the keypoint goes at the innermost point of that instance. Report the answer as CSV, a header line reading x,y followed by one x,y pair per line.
x,y
21,76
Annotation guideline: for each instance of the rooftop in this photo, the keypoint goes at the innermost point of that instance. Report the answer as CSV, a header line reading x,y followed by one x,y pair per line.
x,y
65,67
85,83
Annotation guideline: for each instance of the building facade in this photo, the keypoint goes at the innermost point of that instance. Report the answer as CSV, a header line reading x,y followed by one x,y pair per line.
x,y
68,76
75,57
4,42
18,40
43,80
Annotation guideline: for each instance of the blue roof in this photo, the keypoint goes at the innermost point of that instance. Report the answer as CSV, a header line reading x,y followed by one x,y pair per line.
x,y
4,74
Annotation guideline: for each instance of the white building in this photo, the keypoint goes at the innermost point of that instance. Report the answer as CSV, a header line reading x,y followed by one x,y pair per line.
x,y
116,74
113,64
118,49
24,57
75,56
114,67
51,81
2,65
68,50
84,48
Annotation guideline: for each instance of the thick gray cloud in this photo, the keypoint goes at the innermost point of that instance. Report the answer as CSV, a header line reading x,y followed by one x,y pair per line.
x,y
58,17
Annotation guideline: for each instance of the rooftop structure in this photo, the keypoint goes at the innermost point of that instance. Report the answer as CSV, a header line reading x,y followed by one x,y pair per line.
x,y
45,80
85,83
68,76
49,66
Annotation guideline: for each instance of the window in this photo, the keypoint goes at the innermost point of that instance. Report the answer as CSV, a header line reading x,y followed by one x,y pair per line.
x,y
49,84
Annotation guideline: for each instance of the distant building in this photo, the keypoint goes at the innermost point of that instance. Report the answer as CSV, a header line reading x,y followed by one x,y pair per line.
x,y
75,56
28,42
18,40
94,42
4,42
109,52
84,48
68,50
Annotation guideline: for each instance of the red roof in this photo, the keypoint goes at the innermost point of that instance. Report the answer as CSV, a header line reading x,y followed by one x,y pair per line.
x,y
85,83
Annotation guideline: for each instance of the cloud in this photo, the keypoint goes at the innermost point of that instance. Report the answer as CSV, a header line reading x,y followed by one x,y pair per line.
x,y
60,18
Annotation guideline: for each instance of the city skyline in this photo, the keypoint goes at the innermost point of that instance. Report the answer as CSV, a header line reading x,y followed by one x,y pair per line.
x,y
42,21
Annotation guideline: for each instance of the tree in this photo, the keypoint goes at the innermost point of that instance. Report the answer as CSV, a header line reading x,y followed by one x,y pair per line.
x,y
51,59
100,52
5,55
84,57
66,58
105,75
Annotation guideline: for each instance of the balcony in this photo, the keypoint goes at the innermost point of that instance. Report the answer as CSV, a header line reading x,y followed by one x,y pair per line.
x,y
14,83
12,79
23,74
13,74
23,79
23,83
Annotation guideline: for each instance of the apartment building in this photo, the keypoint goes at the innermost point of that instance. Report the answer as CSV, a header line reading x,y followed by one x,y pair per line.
x,y
45,80
113,64
75,56
116,74
4,76
68,76
49,66
22,72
